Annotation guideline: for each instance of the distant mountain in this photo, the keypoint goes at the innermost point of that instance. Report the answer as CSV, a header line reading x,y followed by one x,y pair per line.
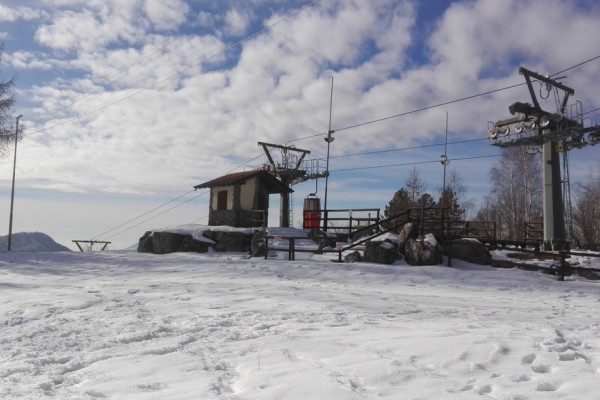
x,y
31,241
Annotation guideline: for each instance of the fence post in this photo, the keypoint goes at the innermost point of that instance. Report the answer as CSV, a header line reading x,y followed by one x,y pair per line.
x,y
422,217
290,248
444,228
350,222
266,246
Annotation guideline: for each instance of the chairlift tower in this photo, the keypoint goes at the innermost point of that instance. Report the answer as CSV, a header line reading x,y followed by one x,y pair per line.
x,y
553,132
293,169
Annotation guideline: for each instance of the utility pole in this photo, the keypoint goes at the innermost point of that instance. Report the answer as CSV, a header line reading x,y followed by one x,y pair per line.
x,y
553,132
328,139
12,192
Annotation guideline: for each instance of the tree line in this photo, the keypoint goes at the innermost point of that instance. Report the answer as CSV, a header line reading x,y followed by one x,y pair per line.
x,y
513,204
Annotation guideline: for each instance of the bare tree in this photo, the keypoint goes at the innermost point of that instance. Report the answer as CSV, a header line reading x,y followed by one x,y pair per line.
x,y
586,214
516,194
452,197
7,100
415,185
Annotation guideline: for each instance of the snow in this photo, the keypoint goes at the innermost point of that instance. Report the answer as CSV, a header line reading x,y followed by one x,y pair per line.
x,y
197,231
128,325
429,238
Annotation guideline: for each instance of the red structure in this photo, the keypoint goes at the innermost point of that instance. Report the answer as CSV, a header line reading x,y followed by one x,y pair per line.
x,y
312,213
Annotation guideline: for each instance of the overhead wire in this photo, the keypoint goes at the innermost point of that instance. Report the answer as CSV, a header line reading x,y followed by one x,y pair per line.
x,y
440,104
164,205
407,148
142,215
165,78
411,163
359,125
427,108
577,65
247,38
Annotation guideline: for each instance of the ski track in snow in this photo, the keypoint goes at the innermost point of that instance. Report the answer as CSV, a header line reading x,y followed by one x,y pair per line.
x,y
119,325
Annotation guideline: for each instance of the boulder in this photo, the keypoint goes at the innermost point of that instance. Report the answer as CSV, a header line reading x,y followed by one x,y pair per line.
x,y
161,242
189,244
424,250
409,230
170,242
381,252
257,244
145,243
226,241
353,257
471,250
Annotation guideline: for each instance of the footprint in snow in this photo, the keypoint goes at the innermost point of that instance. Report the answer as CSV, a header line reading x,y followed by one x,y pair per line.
x,y
486,389
547,387
541,368
528,359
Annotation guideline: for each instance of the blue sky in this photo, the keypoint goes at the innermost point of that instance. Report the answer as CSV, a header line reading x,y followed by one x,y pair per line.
x,y
128,104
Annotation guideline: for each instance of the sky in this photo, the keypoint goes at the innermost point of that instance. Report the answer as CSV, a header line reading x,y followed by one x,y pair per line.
x,y
128,104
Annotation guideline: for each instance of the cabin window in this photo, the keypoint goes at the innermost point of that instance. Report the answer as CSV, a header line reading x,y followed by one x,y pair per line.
x,y
222,200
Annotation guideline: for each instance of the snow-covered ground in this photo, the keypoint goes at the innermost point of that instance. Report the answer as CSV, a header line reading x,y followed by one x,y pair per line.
x,y
128,325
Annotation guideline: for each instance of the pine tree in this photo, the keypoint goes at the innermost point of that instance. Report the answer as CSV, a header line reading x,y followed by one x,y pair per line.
x,y
399,203
7,100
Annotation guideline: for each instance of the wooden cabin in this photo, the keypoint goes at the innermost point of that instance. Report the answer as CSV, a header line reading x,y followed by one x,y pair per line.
x,y
241,199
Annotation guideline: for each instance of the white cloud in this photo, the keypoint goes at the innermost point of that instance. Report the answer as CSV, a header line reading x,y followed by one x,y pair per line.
x,y
8,14
87,30
237,23
166,15
200,123
27,60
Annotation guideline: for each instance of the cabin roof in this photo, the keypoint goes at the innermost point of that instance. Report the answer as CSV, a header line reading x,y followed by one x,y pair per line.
x,y
272,184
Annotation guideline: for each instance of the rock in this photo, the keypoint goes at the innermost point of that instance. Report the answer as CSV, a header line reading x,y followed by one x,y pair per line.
x,y
257,244
409,230
353,257
381,252
226,241
165,242
145,243
424,250
591,275
470,250
503,263
162,242
189,244
169,242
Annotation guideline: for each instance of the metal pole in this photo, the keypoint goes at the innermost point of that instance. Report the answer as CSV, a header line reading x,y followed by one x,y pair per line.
x,y
12,192
445,163
554,223
328,139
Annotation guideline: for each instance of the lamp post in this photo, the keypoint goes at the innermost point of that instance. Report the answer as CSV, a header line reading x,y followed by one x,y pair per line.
x,y
12,192
328,139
